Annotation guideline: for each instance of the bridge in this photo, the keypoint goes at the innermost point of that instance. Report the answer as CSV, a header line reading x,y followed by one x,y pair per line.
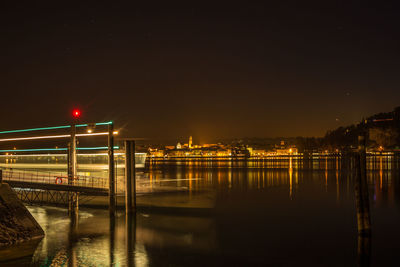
x,y
70,187
56,182
48,188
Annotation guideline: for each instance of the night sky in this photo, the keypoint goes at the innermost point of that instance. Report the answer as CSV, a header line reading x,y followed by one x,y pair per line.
x,y
211,70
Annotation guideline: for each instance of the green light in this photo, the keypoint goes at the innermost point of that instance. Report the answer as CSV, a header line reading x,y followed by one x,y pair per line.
x,y
55,149
104,123
95,148
54,127
35,129
96,124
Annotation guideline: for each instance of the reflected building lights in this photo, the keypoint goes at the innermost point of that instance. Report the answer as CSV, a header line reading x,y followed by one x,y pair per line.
x,y
326,174
290,178
337,185
380,171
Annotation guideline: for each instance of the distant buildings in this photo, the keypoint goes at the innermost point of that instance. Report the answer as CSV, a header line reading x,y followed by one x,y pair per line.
x,y
190,150
284,149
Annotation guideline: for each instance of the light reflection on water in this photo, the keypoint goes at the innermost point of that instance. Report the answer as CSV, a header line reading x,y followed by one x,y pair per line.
x,y
298,213
89,243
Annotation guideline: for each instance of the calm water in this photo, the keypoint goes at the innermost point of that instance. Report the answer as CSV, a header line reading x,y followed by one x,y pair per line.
x,y
269,214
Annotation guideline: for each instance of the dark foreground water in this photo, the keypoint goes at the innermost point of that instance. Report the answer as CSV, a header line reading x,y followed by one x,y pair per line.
x,y
264,215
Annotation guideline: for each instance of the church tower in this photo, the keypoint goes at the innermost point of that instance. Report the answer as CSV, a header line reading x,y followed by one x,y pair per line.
x,y
190,142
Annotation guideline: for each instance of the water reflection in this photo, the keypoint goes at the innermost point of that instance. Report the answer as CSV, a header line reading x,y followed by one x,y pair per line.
x,y
258,175
97,240
286,212
364,250
130,238
72,238
112,238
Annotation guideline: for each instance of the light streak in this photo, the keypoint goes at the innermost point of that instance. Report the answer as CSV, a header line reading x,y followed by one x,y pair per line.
x,y
35,137
379,120
63,155
56,149
55,127
95,148
35,129
51,136
92,134
33,149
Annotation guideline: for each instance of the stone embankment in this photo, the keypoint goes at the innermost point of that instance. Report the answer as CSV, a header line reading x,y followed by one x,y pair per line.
x,y
16,223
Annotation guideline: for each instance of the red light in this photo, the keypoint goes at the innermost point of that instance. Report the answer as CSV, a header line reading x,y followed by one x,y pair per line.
x,y
76,113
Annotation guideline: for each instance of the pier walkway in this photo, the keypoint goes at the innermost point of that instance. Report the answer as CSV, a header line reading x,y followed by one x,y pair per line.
x,y
96,186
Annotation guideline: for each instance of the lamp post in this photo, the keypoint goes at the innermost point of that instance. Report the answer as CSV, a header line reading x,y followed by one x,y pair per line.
x,y
72,168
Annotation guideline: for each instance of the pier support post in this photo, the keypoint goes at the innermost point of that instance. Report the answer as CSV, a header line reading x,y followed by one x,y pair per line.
x,y
130,177
111,171
72,173
112,229
72,238
130,237
1,176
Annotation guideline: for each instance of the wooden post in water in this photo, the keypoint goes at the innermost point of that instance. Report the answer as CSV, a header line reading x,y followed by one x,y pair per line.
x,y
72,239
362,205
1,176
361,191
112,239
130,177
111,170
130,238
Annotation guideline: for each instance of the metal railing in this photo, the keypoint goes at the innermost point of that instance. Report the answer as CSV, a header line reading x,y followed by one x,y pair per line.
x,y
53,178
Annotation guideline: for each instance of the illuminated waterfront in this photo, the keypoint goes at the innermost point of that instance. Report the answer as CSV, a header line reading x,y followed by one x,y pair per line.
x,y
285,215
252,133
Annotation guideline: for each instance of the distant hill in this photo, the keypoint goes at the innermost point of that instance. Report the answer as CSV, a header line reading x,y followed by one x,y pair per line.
x,y
382,130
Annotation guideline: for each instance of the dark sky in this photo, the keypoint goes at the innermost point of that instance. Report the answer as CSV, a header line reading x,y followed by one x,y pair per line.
x,y
279,68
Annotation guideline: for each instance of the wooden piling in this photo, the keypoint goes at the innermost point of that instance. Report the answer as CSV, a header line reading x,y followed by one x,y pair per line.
x,y
112,230
130,238
361,191
130,177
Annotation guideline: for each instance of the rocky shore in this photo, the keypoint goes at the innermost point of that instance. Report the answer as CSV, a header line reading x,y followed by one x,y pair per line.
x,y
16,223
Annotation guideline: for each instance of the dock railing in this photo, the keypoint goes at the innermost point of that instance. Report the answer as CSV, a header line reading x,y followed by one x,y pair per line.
x,y
53,178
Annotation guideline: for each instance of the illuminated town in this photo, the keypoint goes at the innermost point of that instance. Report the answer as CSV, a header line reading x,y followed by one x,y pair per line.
x,y
191,150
